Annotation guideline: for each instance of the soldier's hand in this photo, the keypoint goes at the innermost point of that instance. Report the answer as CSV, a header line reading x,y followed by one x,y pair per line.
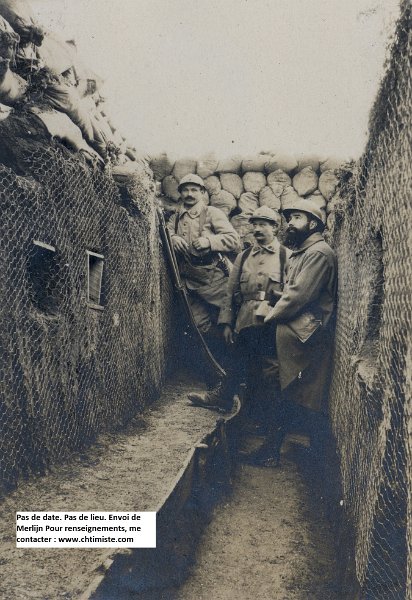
x,y
202,243
228,335
270,316
180,245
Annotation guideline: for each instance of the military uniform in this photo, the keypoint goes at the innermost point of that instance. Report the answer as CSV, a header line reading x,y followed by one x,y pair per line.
x,y
304,317
205,280
253,281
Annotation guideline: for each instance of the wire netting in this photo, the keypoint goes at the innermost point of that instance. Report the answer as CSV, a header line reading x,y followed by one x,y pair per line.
x,y
84,337
371,390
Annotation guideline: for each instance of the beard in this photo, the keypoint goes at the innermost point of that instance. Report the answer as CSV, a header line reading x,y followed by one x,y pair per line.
x,y
295,237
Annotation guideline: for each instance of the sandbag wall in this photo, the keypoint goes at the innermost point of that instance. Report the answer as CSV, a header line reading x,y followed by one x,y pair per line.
x,y
240,185
41,73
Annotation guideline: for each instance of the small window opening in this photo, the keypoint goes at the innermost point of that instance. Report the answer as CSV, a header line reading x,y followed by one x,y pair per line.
x,y
43,275
95,264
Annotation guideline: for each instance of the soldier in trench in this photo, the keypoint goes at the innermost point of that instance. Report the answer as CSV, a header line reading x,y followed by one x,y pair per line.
x,y
304,333
254,285
202,237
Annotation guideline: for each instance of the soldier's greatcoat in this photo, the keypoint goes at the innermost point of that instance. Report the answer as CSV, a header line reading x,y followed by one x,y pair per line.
x,y
304,318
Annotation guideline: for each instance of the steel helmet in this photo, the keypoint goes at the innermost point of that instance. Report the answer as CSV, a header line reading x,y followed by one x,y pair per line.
x,y
306,206
191,178
266,214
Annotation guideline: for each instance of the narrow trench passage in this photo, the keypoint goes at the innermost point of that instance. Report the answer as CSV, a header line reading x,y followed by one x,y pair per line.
x,y
268,540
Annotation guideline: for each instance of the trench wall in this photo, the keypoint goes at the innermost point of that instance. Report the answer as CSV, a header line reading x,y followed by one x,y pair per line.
x,y
371,389
79,353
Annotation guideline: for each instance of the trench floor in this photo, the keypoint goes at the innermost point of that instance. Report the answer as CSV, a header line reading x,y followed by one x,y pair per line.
x,y
132,470
268,541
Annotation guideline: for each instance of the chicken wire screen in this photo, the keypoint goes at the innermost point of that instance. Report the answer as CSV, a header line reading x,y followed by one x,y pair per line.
x,y
85,318
371,390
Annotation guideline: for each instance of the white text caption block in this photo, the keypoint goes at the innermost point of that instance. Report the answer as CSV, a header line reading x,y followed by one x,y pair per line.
x,y
86,529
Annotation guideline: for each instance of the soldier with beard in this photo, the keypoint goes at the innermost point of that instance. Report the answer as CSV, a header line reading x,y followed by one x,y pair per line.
x,y
304,317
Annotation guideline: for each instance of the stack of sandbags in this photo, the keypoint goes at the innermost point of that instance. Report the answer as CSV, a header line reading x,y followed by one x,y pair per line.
x,y
239,185
40,68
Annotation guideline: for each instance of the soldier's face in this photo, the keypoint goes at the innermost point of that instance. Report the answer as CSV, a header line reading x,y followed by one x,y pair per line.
x,y
191,194
298,229
264,231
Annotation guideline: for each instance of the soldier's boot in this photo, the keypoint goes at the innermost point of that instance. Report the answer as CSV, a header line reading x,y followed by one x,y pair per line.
x,y
219,398
268,455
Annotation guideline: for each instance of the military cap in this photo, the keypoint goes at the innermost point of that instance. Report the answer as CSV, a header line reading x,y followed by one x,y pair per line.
x,y
307,207
266,214
190,179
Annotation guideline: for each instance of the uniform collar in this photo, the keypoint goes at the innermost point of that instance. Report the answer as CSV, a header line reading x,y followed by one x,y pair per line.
x,y
271,248
193,211
312,239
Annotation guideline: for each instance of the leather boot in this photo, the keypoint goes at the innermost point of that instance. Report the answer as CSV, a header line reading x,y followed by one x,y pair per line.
x,y
215,399
268,455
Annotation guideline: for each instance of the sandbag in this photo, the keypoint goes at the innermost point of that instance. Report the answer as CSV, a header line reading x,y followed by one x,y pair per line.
x,y
230,165
67,99
55,54
280,177
21,17
169,186
9,40
285,162
317,199
305,182
327,184
183,167
278,180
161,165
268,198
125,174
244,228
254,163
212,184
289,195
223,200
331,164
60,126
206,167
308,161
232,183
254,182
248,203
12,86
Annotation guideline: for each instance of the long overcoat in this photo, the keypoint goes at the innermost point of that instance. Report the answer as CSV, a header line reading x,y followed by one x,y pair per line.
x,y
304,315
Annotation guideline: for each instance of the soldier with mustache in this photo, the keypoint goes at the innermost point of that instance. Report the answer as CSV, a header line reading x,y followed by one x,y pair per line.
x,y
254,285
202,236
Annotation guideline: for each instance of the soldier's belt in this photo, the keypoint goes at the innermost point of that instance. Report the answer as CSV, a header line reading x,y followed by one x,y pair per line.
x,y
202,261
255,296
